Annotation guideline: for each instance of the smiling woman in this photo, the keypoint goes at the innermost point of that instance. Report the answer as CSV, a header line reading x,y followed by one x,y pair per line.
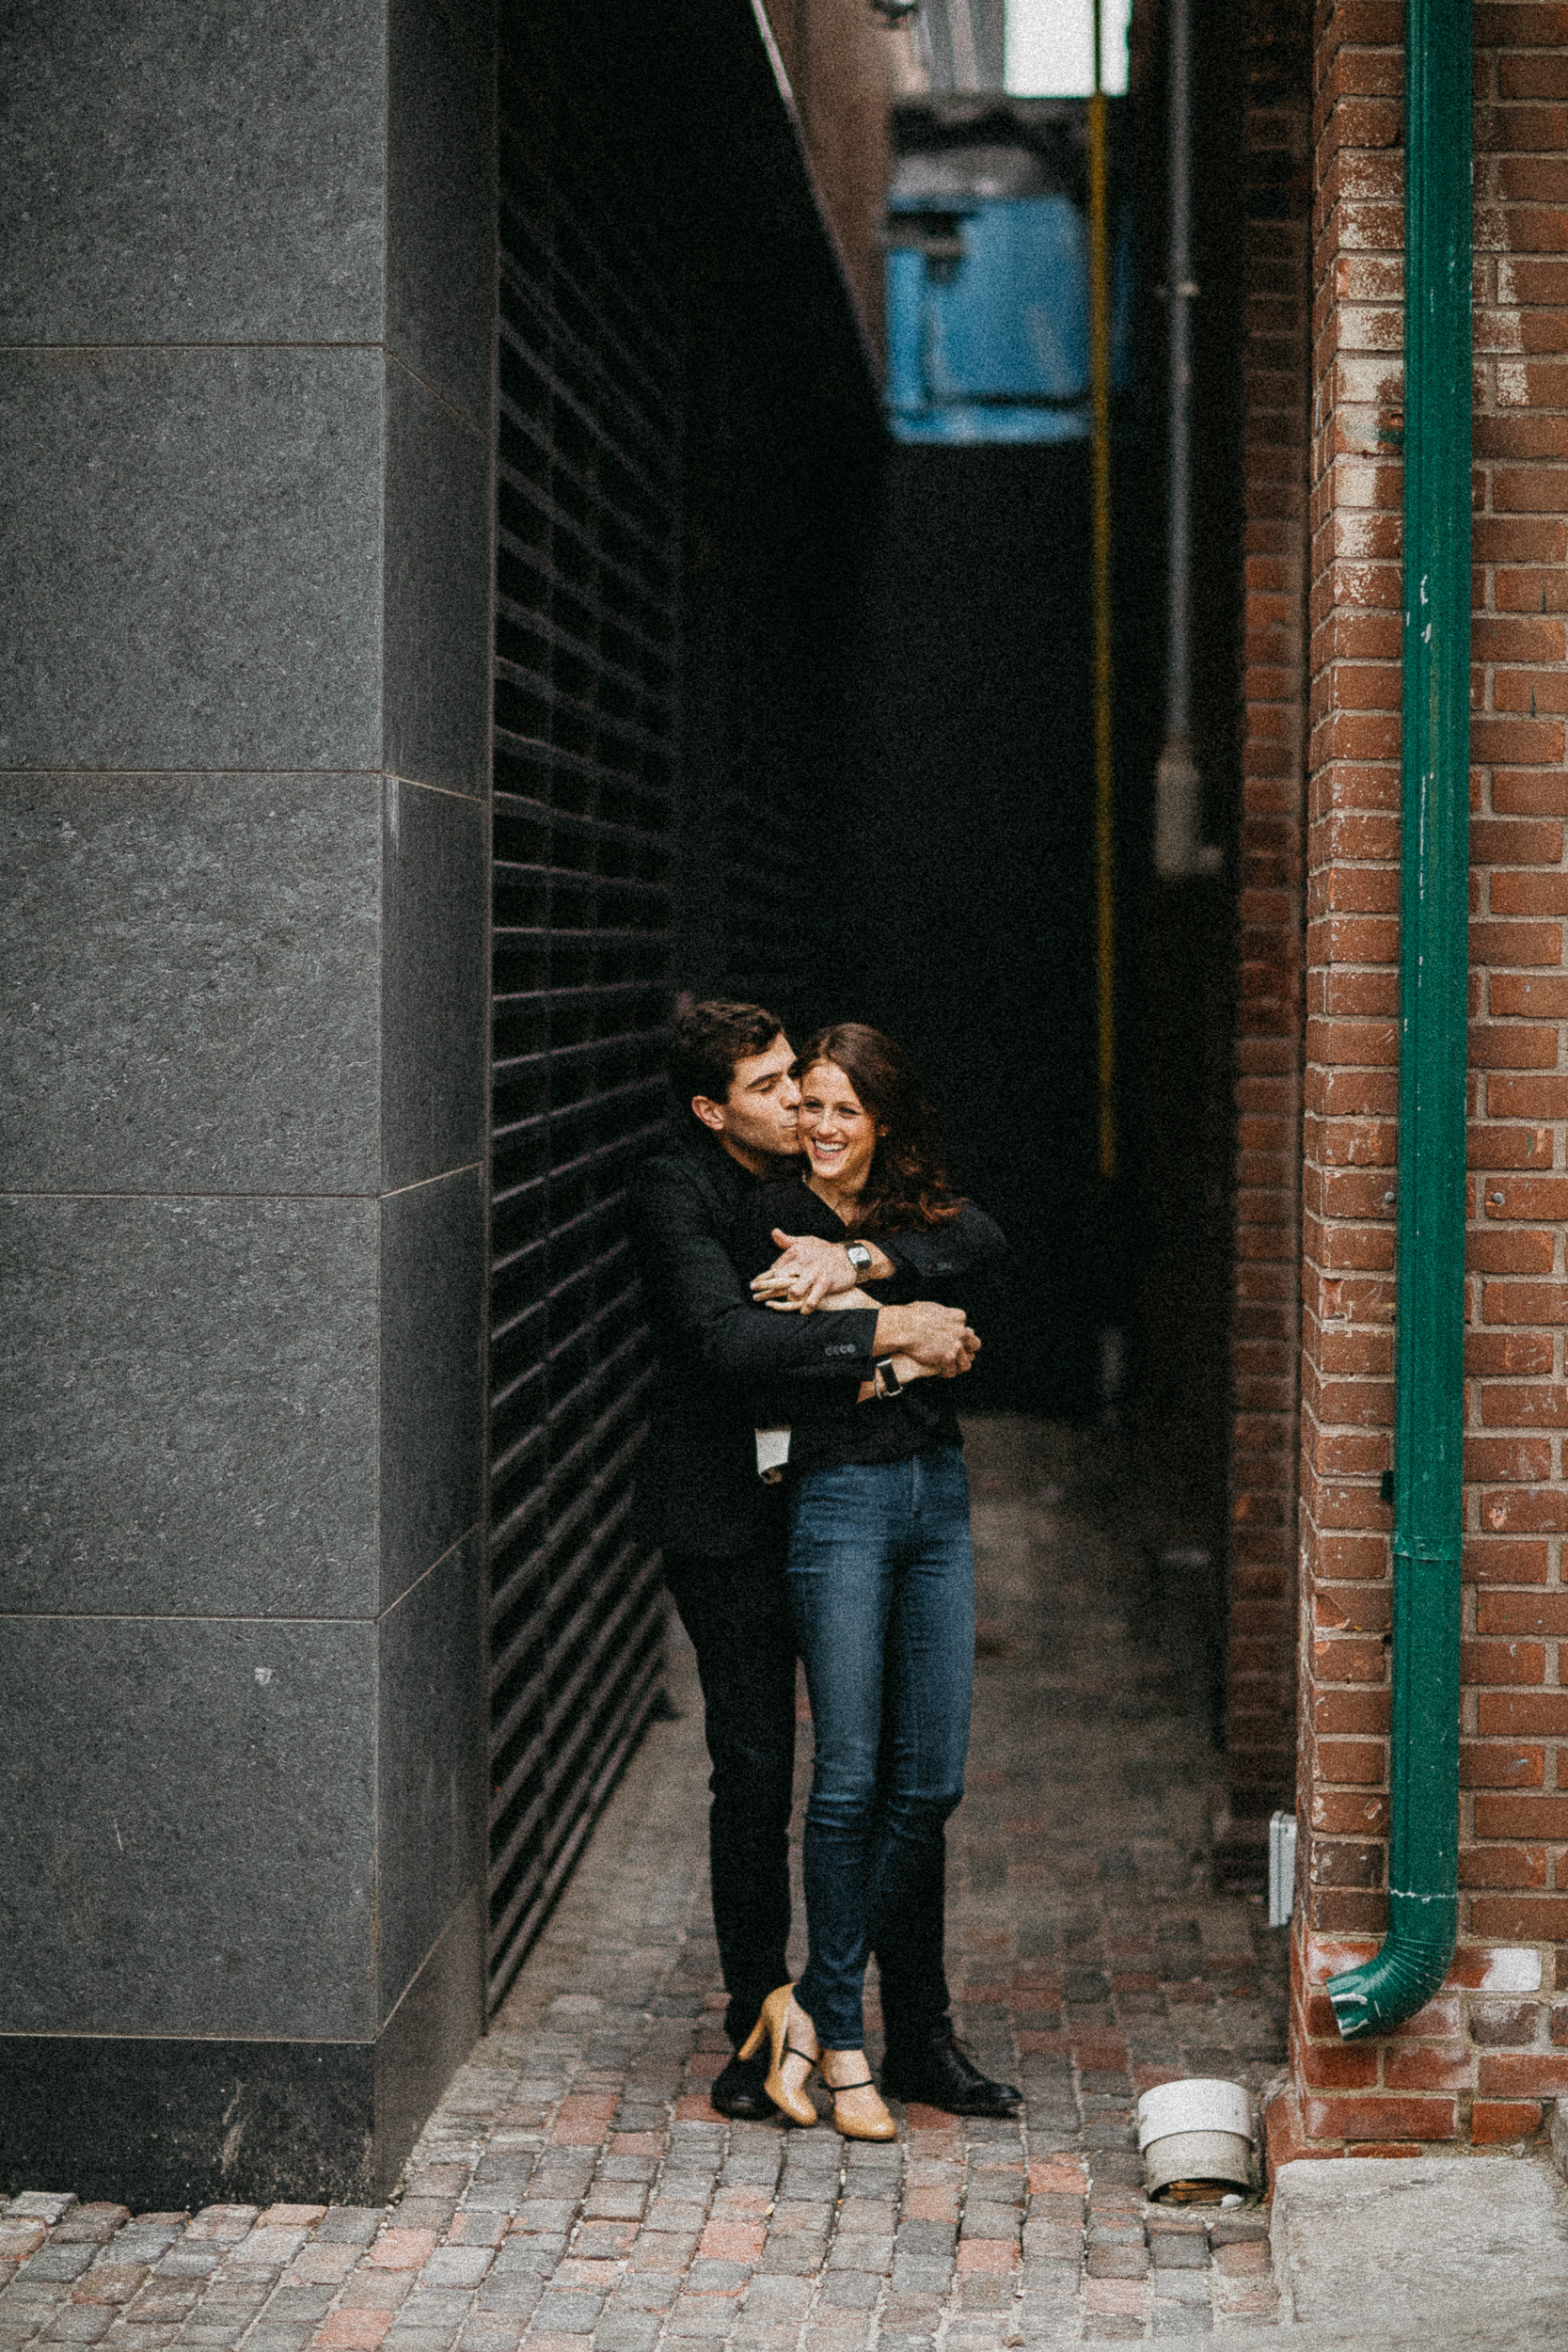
x,y
879,1572
869,1132
839,1134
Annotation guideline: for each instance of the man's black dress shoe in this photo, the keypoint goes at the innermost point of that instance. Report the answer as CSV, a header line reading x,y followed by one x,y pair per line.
x,y
737,2091
938,2073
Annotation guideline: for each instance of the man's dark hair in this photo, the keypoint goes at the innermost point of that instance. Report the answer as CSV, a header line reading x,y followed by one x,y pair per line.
x,y
709,1041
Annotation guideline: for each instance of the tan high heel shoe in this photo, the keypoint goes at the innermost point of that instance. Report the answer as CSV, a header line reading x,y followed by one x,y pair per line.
x,y
774,2022
877,2126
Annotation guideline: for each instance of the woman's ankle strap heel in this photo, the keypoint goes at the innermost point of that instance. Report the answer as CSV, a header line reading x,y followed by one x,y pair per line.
x,y
773,2022
879,2127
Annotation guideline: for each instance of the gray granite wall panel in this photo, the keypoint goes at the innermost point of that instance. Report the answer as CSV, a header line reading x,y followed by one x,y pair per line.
x,y
431,1297
247,319
191,566
181,174
428,2035
187,1842
189,1391
440,203
188,994
437,604
434,991
430,1767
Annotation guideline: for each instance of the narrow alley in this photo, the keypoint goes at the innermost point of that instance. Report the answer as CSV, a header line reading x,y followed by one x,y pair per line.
x,y
543,534
575,2188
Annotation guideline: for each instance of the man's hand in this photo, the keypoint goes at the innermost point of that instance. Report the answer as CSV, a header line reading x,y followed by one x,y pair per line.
x,y
810,1270
937,1337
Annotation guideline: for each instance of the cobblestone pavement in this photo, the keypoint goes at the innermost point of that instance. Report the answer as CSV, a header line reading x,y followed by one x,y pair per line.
x,y
576,2192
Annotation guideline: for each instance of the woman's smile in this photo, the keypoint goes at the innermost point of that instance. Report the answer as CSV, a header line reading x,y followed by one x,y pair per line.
x,y
839,1135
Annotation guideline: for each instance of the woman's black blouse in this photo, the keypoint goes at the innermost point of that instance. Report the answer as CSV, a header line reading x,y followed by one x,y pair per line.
x,y
829,1426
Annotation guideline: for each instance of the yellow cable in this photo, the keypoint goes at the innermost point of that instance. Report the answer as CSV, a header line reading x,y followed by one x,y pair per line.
x,y
1099,359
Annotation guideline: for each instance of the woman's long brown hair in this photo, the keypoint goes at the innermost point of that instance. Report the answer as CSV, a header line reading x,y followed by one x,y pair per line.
x,y
908,1184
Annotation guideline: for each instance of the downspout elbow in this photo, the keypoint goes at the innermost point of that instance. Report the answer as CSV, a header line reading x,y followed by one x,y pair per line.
x,y
1401,1977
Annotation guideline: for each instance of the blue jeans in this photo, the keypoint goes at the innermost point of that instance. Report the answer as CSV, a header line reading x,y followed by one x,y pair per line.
x,y
882,1581
737,1613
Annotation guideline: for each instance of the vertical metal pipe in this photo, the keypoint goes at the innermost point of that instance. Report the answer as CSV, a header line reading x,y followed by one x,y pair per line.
x,y
1429,1411
1180,291
1178,849
960,24
1100,377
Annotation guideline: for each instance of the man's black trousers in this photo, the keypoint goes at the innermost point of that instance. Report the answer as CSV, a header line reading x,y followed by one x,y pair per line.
x,y
736,1611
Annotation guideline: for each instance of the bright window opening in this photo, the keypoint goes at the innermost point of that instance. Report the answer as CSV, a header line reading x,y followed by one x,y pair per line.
x,y
1050,49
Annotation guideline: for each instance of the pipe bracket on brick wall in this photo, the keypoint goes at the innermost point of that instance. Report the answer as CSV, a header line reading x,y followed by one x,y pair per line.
x,y
1429,1408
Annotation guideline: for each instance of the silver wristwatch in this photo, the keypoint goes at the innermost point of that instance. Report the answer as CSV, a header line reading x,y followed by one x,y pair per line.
x,y
859,1256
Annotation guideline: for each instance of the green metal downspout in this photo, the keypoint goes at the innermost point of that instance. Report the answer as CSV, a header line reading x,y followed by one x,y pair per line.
x,y
1423,1768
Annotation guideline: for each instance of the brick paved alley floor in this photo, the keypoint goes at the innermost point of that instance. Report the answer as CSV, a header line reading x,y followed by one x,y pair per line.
x,y
576,2192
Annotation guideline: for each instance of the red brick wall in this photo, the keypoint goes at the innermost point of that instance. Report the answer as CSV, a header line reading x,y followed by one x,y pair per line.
x,y
1479,2060
1260,1716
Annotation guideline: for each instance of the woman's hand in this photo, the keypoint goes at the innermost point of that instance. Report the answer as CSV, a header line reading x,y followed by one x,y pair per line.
x,y
812,1272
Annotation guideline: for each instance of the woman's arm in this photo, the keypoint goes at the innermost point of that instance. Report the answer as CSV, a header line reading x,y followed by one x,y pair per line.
x,y
702,1308
970,1243
809,1271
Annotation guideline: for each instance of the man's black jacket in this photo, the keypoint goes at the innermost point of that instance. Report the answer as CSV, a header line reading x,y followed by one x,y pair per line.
x,y
699,1489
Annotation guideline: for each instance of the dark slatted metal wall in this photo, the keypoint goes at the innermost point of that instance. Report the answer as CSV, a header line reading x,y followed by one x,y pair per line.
x,y
768,730
588,522
765,887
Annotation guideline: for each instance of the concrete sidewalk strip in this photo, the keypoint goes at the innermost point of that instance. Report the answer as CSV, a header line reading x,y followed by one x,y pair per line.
x,y
1529,2324
576,2191
1422,2240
